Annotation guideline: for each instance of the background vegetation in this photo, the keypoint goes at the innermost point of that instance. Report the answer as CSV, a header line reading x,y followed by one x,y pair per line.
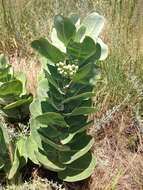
x,y
118,125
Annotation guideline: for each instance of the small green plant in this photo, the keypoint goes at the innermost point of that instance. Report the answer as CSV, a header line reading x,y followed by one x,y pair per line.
x,y
14,100
13,155
9,162
60,113
4,157
14,109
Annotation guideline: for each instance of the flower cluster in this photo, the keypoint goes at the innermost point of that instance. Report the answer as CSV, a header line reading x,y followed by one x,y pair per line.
x,y
67,70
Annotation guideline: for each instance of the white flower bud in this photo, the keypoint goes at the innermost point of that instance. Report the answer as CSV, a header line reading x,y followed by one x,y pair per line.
x,y
62,64
59,69
61,72
72,72
65,73
70,68
65,67
73,66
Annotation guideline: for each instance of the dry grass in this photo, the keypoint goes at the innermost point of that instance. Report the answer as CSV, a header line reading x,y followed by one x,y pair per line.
x,y
119,150
22,21
37,184
31,67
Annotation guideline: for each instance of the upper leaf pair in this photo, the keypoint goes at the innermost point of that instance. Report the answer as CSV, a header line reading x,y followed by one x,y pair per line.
x,y
91,26
72,39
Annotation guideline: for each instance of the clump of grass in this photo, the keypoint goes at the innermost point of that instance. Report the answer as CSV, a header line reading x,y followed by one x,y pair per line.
x,y
37,184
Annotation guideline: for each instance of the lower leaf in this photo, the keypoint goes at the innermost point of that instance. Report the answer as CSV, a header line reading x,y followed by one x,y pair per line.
x,y
49,162
79,170
81,144
15,165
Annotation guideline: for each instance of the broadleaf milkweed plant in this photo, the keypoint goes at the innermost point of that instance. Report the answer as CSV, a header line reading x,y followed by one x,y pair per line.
x,y
60,111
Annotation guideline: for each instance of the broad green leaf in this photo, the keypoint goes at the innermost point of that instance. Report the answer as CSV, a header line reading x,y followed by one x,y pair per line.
x,y
4,141
21,147
56,98
54,73
3,148
75,130
73,121
34,126
15,165
82,111
43,88
82,50
53,82
53,144
84,74
40,138
96,56
80,34
69,107
65,29
2,163
79,97
66,138
12,87
31,147
40,106
104,49
49,162
18,103
52,118
48,106
35,108
22,77
5,133
79,147
94,24
51,132
78,129
12,115
56,42
4,100
4,73
45,48
79,169
74,18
